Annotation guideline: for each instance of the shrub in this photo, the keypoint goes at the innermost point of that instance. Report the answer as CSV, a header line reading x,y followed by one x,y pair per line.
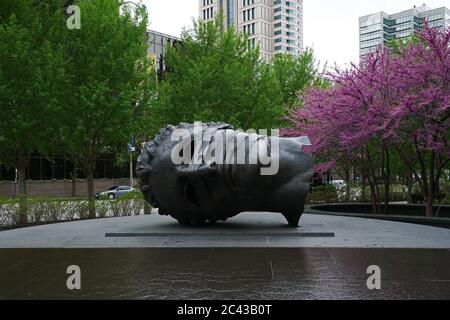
x,y
9,214
102,209
70,211
41,209
323,194
82,208
37,213
54,211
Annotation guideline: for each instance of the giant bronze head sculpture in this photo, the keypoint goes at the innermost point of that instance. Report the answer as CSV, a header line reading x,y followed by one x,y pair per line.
x,y
223,173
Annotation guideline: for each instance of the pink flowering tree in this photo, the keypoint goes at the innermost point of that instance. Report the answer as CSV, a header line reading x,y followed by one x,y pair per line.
x,y
391,106
418,125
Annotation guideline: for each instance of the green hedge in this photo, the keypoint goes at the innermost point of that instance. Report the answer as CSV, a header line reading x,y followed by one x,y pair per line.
x,y
47,210
323,194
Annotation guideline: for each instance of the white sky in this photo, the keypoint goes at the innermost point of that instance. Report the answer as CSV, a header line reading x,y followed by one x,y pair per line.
x,y
330,26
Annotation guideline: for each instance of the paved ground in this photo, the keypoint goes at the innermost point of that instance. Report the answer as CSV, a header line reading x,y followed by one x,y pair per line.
x,y
225,273
253,256
248,230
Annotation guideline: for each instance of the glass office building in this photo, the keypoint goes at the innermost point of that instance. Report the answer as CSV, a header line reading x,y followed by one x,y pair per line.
x,y
379,29
275,25
157,44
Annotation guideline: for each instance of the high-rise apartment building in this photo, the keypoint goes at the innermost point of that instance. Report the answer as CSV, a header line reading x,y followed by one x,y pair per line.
x,y
381,28
275,25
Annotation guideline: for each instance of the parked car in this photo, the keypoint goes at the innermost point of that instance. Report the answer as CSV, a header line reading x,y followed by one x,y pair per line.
x,y
114,192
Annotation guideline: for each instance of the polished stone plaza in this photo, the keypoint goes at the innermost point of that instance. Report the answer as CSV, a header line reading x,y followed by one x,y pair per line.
x,y
253,256
248,230
225,273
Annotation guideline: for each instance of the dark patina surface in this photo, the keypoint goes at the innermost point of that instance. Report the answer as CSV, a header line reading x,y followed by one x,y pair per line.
x,y
196,193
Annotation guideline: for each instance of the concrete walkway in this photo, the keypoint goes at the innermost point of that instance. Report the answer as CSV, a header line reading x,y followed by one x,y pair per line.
x,y
248,230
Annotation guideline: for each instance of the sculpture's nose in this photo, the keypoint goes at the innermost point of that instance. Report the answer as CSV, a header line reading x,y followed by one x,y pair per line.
x,y
143,167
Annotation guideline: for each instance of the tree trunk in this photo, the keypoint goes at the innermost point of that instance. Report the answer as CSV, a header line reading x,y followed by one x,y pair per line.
x,y
373,199
91,191
373,196
387,194
409,186
347,184
378,197
429,207
363,187
374,192
74,178
386,179
22,188
429,198
373,183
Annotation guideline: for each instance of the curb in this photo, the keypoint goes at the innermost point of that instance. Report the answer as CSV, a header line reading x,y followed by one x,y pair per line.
x,y
434,222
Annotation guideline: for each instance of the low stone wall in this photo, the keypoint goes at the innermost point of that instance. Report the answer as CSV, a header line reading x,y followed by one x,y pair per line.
x,y
394,209
59,188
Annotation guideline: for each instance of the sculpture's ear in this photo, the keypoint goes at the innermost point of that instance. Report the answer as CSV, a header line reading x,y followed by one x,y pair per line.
x,y
304,141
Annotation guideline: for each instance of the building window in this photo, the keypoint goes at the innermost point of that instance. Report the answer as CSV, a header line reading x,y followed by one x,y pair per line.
x,y
230,12
249,28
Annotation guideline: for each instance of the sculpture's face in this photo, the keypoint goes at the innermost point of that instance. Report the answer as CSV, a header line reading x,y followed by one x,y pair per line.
x,y
210,188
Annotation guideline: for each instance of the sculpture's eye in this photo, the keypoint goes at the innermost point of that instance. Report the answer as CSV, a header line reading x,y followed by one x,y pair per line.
x,y
190,195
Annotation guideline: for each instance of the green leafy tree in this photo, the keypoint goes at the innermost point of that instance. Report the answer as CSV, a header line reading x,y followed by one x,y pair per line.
x,y
294,74
28,76
399,45
106,74
216,76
